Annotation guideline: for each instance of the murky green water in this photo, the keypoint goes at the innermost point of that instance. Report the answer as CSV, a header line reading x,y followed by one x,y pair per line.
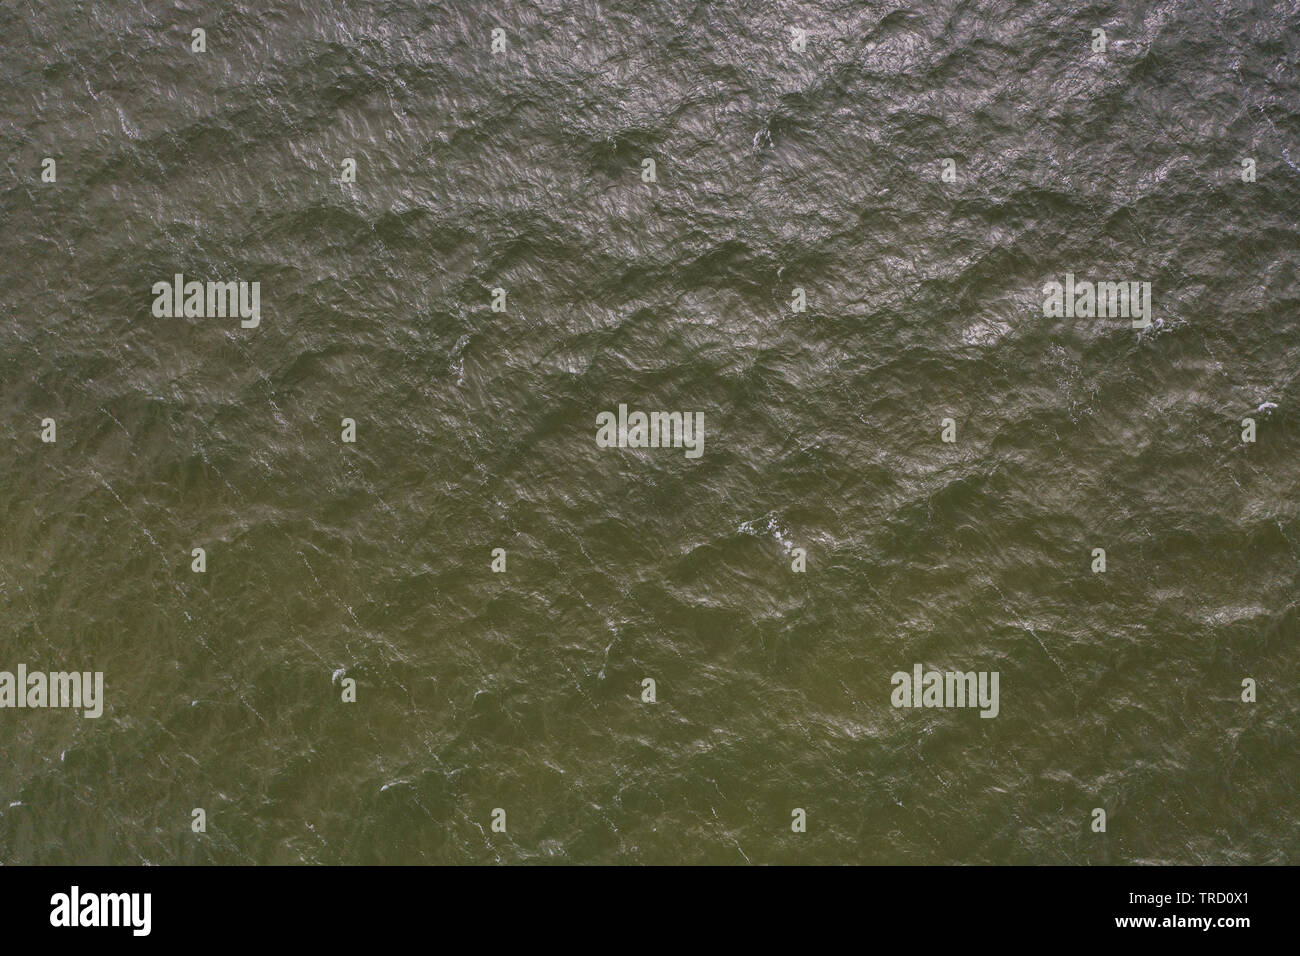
x,y
329,561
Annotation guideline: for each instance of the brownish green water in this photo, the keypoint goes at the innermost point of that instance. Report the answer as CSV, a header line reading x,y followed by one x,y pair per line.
x,y
371,561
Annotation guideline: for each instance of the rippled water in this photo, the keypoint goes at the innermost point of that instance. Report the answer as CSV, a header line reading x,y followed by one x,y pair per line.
x,y
476,430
